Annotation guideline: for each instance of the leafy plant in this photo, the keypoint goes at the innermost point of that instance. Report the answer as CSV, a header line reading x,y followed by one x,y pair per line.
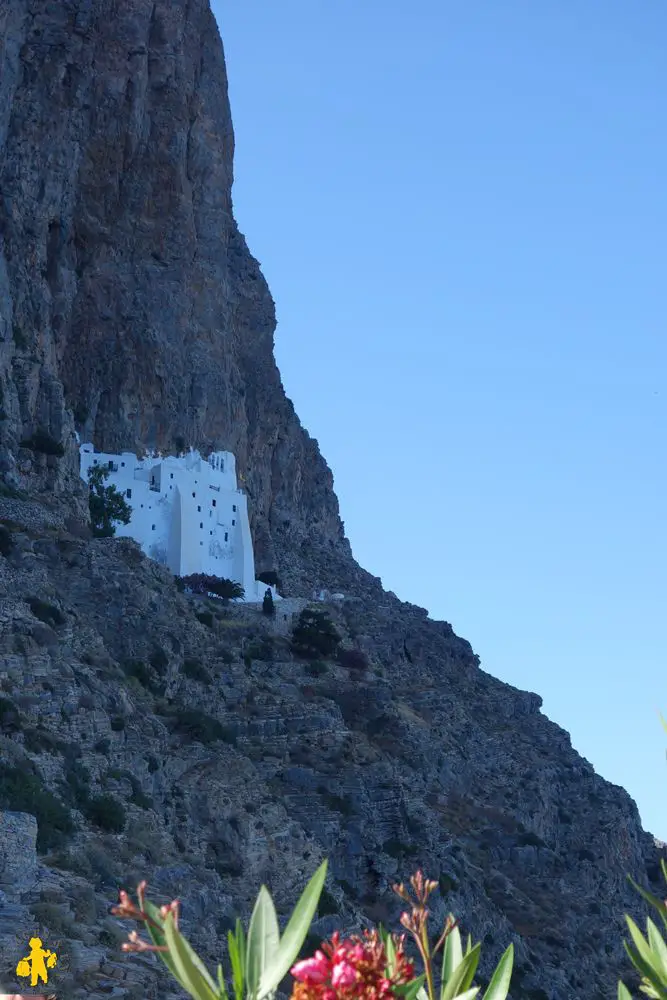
x,y
375,962
315,635
21,789
259,959
203,583
106,503
648,954
106,812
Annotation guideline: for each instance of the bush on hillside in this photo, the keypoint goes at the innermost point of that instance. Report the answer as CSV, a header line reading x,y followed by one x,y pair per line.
x,y
268,607
21,790
315,636
353,659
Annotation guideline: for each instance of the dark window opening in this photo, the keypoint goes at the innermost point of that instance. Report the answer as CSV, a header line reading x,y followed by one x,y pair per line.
x,y
226,536
152,527
171,475
233,523
201,524
213,503
111,465
128,494
123,464
234,508
194,494
198,508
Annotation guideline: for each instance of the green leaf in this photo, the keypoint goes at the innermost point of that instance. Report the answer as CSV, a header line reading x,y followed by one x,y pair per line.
x,y
659,949
236,944
295,934
645,952
452,955
391,955
263,940
468,995
462,975
222,989
499,986
158,938
409,990
655,901
193,974
623,992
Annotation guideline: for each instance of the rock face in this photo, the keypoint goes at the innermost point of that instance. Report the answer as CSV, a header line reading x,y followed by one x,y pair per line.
x,y
130,307
131,310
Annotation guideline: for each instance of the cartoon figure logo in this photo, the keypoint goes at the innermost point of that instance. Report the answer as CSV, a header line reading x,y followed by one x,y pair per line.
x,y
33,965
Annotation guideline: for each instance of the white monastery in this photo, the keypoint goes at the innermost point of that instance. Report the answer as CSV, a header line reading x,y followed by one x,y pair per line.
x,y
187,513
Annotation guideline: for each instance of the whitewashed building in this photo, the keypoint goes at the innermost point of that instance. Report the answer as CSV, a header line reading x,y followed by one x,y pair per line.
x,y
187,513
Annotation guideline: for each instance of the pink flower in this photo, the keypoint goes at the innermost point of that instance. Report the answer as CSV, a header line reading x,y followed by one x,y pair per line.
x,y
343,975
312,971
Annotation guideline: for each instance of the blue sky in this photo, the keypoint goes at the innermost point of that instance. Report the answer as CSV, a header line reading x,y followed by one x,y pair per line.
x,y
460,209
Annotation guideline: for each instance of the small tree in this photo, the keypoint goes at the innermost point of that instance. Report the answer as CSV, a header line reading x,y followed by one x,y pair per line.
x,y
268,607
107,504
315,636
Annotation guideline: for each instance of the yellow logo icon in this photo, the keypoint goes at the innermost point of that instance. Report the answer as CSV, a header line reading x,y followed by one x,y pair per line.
x,y
36,963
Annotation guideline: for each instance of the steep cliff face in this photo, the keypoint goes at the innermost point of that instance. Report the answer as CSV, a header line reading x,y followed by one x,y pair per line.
x,y
130,307
132,311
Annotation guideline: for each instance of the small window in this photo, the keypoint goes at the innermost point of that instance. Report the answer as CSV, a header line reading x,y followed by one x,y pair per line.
x,y
142,505
128,494
198,508
194,494
171,487
201,543
171,475
213,502
226,536
94,461
123,464
210,532
233,522
152,527
234,508
201,524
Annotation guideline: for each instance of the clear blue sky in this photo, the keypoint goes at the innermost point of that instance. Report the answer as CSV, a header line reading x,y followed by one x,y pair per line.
x,y
461,210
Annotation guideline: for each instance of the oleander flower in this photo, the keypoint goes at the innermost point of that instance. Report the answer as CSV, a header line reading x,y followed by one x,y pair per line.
x,y
353,969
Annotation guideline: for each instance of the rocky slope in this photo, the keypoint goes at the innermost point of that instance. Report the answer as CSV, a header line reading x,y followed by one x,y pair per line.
x,y
131,310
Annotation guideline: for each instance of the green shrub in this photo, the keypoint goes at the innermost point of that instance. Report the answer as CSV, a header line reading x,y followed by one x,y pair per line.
x,y
140,672
196,671
10,717
316,668
203,583
21,789
106,812
47,613
159,660
353,659
117,723
315,635
6,541
41,441
260,649
205,617
39,740
199,726
77,784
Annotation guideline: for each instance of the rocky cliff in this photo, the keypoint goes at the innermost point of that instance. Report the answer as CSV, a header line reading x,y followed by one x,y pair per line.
x,y
148,734
130,307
